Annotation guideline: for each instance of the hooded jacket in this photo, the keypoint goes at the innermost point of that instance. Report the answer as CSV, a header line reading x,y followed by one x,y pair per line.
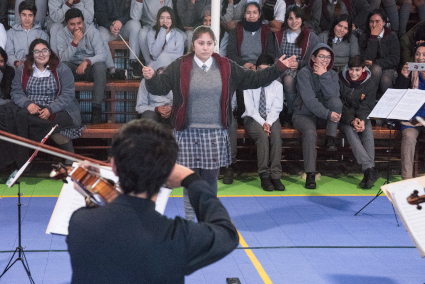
x,y
19,40
65,96
91,47
176,78
385,51
313,89
274,41
357,101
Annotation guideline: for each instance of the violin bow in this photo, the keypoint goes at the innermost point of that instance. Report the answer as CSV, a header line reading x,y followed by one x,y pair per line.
x,y
16,174
132,51
49,149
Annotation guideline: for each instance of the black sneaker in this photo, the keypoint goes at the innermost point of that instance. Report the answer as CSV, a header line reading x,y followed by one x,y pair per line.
x,y
96,115
330,144
228,175
310,181
119,74
373,177
278,185
362,184
266,184
137,69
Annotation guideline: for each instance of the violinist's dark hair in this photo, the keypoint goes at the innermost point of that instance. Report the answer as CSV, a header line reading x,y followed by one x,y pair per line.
x,y
144,153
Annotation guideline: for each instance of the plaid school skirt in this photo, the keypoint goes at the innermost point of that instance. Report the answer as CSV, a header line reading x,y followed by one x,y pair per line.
x,y
203,148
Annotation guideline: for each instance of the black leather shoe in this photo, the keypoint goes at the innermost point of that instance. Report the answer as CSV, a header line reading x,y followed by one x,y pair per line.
x,y
266,184
228,175
278,185
373,177
310,181
330,144
362,184
96,115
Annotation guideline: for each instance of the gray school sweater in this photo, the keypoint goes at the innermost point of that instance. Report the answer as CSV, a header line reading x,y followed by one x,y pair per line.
x,y
343,50
58,8
204,97
251,46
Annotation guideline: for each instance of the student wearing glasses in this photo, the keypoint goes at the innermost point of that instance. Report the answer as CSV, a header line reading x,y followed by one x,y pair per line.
x,y
317,105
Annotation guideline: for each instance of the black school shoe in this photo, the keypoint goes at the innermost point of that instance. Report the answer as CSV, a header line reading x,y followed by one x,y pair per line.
x,y
372,178
278,185
228,175
137,69
310,181
266,184
330,144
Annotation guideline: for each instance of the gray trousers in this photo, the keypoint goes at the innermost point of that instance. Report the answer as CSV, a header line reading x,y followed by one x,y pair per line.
x,y
308,124
210,176
408,144
94,73
130,32
233,137
156,116
41,11
362,144
269,149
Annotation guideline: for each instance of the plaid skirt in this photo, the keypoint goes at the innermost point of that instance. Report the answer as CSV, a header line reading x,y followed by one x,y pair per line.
x,y
203,148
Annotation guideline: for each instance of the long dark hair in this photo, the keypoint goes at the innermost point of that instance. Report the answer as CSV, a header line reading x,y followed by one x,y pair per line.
x,y
157,26
367,31
340,18
298,12
8,74
53,59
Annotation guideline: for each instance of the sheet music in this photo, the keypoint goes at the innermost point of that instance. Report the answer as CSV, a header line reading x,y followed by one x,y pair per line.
x,y
387,103
409,104
413,219
70,200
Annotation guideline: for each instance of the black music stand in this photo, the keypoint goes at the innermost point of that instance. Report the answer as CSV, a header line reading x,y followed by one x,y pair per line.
x,y
391,125
19,249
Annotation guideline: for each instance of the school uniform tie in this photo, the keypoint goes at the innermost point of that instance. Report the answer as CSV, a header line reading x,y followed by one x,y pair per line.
x,y
338,40
204,67
262,107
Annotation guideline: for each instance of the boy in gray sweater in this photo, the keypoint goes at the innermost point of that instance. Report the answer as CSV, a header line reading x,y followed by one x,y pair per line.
x,y
20,36
81,47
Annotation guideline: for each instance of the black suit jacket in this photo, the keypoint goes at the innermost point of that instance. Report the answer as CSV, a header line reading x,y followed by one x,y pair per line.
x,y
127,241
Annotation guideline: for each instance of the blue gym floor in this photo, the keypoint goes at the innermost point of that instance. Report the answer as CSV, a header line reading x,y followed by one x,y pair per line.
x,y
288,239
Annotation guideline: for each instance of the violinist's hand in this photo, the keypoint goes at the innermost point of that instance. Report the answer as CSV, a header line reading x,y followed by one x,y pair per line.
x,y
178,174
33,109
288,62
148,72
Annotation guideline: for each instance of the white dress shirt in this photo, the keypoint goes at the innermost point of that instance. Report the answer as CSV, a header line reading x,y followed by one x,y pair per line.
x,y
208,63
41,74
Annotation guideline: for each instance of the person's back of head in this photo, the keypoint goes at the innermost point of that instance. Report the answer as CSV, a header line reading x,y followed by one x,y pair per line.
x,y
73,13
264,59
144,153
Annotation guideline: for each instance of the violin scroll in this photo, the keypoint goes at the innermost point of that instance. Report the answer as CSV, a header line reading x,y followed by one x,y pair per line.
x,y
416,199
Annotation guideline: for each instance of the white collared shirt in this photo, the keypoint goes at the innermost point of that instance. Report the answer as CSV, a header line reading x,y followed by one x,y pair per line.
x,y
292,36
381,35
41,74
336,39
200,63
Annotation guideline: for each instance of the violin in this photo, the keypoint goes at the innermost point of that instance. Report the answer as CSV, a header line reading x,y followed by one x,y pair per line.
x,y
415,199
97,190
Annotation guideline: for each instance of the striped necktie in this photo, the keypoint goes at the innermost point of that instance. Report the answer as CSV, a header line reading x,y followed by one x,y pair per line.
x,y
204,67
262,107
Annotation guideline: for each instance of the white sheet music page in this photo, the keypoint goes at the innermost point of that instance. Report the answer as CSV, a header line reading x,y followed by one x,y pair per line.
x,y
408,105
413,219
387,103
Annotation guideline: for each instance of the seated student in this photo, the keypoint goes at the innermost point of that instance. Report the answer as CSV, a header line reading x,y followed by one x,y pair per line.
x,y
21,35
81,48
224,36
412,38
390,7
56,19
297,40
312,10
43,89
6,76
138,244
358,95
154,107
148,19
40,18
342,41
274,12
410,131
248,40
381,49
405,8
317,105
114,19
261,120
357,9
165,42
3,37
